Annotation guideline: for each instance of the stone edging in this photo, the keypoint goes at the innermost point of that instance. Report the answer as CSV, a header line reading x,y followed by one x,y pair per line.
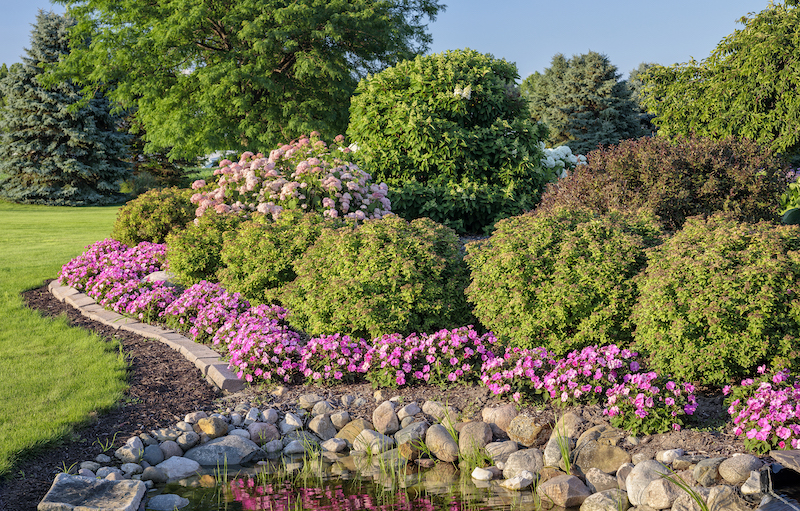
x,y
208,361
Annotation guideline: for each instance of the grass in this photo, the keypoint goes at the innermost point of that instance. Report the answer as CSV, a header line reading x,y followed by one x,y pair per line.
x,y
52,377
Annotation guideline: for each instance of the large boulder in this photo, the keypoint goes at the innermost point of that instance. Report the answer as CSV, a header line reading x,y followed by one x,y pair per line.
x,y
230,450
71,492
441,443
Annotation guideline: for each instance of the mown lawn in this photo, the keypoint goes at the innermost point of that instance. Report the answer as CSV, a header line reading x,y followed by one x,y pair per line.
x,y
51,376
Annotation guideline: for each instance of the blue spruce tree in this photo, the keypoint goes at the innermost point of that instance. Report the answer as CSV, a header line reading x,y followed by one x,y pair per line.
x,y
50,153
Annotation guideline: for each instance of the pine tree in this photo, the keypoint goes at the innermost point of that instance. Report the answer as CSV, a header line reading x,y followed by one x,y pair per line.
x,y
583,102
49,153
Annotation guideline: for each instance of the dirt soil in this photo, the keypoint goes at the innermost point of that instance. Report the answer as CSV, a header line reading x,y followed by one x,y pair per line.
x,y
163,387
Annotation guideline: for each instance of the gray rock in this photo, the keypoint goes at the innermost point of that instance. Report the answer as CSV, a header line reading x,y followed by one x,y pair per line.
x,y
270,415
598,481
499,418
70,492
294,447
164,434
564,491
187,440
736,469
359,402
230,450
104,472
526,459
263,432
253,415
384,419
412,432
593,454
500,451
154,474
640,477
352,429
167,502
147,439
408,410
153,454
170,449
706,472
102,458
661,494
304,437
348,400
727,498
622,475
518,482
439,411
526,430
273,446
473,437
608,500
322,407
441,443
240,432
183,426
237,419
307,401
407,421
90,465
115,476
340,419
128,469
132,451
85,472
371,441
322,426
334,445
290,423
193,417
668,456
178,467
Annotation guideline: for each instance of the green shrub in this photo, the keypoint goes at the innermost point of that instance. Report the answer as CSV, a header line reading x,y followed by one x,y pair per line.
x,y
560,279
720,298
677,178
257,258
153,215
194,254
466,207
386,276
447,117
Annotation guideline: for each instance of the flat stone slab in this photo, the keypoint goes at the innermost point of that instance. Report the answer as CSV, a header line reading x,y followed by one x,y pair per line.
x,y
61,292
204,363
224,378
79,300
789,459
196,351
87,494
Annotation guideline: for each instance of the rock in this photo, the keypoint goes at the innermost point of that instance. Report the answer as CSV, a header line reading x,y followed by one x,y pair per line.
x,y
184,426
115,476
290,423
412,432
727,498
409,451
481,474
128,469
661,493
307,401
379,395
104,472
253,415
237,419
359,402
686,503
564,491
322,426
668,457
147,439
132,451
608,500
525,430
599,481
753,484
348,400
214,427
622,475
640,477
340,419
89,465
408,410
736,469
518,482
334,445
371,441
641,456
294,447
686,461
70,492
608,458
178,467
165,434
439,411
273,446
193,417
407,421
499,418
304,437
270,415
187,440
473,437
352,429
322,407
170,449
167,502
706,472
102,458
526,459
240,432
154,474
384,419
500,451
227,450
441,443
262,432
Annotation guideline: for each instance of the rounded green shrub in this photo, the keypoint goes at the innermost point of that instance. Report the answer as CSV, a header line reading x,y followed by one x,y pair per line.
x,y
720,298
153,215
560,279
258,257
676,178
386,276
194,254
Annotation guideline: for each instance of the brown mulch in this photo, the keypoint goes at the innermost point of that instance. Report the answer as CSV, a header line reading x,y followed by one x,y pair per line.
x,y
163,387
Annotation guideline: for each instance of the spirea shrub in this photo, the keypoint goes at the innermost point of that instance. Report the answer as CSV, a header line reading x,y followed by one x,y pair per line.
x,y
304,175
560,280
257,259
676,178
195,253
386,276
153,215
720,298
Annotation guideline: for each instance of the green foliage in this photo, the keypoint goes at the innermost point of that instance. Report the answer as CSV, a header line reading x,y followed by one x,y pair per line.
x,y
635,83
56,146
205,75
258,257
676,178
194,253
153,215
465,207
444,118
748,87
583,102
560,279
386,276
719,298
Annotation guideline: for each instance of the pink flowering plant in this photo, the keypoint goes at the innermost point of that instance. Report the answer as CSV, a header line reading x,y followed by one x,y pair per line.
x,y
202,309
444,358
305,175
766,410
519,372
332,359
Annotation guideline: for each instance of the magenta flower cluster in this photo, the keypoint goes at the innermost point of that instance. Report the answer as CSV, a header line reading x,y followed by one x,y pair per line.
x,y
303,175
202,309
766,410
334,358
442,358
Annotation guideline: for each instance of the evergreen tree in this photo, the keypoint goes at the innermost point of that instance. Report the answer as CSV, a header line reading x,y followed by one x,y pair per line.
x,y
51,153
583,102
636,85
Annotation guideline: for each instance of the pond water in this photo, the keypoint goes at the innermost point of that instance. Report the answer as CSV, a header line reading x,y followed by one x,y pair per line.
x,y
272,487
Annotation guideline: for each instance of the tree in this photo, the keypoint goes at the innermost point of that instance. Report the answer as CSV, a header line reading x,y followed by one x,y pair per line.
x,y
205,75
748,87
50,151
636,85
583,102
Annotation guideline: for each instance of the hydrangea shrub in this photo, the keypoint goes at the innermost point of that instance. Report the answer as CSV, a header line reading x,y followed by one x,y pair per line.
x,y
560,280
720,298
